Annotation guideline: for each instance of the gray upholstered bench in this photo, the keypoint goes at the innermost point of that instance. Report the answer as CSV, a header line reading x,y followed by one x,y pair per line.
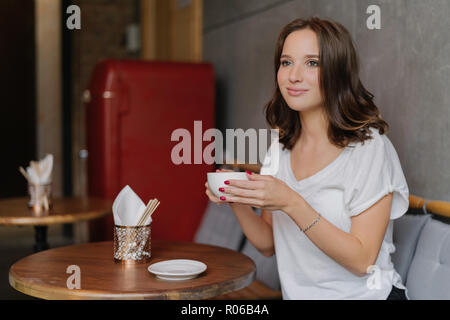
x,y
422,256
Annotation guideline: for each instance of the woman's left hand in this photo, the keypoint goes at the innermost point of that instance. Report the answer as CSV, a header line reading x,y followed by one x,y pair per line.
x,y
261,191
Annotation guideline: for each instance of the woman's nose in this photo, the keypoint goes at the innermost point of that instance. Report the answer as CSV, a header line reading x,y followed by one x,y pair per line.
x,y
296,74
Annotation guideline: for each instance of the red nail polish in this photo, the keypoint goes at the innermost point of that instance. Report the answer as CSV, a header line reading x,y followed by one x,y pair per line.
x,y
222,198
227,182
222,189
248,172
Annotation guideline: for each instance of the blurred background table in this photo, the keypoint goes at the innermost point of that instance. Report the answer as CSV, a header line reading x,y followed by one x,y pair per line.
x,y
15,212
43,274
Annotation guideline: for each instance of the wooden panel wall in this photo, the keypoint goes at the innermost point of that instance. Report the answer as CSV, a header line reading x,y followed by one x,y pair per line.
x,y
172,30
48,81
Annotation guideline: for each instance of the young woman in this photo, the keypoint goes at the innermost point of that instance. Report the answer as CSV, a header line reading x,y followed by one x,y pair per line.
x,y
327,212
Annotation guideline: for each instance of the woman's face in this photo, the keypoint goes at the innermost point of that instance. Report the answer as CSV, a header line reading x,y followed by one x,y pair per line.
x,y
298,75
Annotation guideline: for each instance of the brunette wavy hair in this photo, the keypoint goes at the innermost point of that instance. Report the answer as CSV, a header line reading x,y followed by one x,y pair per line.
x,y
349,106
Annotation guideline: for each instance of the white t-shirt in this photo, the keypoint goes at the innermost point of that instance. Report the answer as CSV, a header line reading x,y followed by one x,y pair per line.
x,y
360,176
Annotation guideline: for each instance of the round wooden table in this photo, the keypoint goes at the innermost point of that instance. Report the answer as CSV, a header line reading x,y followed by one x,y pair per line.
x,y
15,212
43,274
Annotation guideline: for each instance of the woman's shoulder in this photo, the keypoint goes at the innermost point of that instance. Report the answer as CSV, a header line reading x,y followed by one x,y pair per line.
x,y
376,143
378,148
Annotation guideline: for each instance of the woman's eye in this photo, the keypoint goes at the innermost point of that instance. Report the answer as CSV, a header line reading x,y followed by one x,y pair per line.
x,y
314,63
284,63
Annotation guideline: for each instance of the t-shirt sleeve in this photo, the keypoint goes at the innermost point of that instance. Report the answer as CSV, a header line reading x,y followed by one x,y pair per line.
x,y
375,172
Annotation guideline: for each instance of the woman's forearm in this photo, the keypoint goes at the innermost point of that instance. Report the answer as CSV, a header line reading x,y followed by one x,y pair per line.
x,y
257,231
342,247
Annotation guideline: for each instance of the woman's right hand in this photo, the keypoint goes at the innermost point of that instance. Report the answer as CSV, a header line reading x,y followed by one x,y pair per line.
x,y
210,194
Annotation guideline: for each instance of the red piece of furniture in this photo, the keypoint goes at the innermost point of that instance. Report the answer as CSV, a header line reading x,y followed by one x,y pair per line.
x,y
134,107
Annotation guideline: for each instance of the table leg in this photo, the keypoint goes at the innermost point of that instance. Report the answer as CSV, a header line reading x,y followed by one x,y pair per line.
x,y
41,238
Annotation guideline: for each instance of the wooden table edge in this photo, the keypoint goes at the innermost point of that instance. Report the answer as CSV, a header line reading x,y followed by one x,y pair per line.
x,y
49,220
57,293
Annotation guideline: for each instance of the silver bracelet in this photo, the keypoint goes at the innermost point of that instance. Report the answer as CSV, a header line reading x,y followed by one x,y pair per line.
x,y
313,223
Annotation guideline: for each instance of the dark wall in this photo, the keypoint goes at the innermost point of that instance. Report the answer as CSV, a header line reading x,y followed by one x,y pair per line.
x,y
17,94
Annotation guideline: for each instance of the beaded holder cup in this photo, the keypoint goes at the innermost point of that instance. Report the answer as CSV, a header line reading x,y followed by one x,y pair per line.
x,y
132,244
40,197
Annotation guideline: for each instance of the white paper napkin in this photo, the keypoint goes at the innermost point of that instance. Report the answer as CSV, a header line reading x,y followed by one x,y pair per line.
x,y
43,174
128,208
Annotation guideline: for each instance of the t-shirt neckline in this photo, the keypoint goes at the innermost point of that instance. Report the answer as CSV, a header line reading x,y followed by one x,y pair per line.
x,y
319,174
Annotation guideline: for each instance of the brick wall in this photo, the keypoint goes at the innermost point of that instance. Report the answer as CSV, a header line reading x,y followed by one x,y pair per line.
x,y
102,35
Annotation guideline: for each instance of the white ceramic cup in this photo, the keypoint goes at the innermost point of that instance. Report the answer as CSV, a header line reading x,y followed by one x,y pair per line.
x,y
216,180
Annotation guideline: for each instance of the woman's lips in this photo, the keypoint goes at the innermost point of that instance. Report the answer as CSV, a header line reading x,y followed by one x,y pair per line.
x,y
296,92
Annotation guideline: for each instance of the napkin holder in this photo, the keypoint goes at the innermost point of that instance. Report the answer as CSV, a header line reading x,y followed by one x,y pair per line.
x,y
132,244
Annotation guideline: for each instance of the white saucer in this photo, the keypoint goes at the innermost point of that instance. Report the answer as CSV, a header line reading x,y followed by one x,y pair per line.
x,y
178,269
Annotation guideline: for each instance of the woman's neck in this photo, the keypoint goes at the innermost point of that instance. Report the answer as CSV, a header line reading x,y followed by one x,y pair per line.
x,y
314,130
